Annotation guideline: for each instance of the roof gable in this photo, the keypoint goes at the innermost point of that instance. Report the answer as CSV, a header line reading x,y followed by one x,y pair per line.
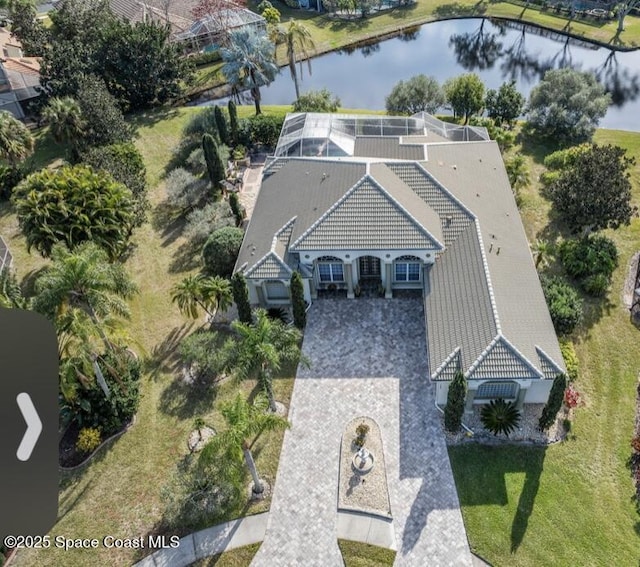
x,y
366,217
269,266
501,360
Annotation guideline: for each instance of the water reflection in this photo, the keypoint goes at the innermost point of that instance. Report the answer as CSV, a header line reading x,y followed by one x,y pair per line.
x,y
497,51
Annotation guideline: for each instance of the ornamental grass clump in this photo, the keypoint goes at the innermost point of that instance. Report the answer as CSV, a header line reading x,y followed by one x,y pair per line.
x,y
499,416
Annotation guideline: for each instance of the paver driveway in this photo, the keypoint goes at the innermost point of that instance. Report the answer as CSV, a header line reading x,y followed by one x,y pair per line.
x,y
368,357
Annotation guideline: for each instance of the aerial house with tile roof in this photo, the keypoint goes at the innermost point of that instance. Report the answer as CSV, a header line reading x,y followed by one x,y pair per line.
x,y
408,203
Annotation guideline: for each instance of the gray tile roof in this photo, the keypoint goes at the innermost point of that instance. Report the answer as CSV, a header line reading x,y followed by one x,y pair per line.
x,y
485,311
459,311
389,148
365,218
501,360
475,174
304,188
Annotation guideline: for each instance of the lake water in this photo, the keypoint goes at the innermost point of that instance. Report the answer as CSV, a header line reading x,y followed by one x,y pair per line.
x,y
497,51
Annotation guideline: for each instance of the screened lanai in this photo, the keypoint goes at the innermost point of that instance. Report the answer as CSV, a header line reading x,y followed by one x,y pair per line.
x,y
334,135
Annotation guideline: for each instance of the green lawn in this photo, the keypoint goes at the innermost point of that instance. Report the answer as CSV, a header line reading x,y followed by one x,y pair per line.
x,y
119,492
356,554
568,504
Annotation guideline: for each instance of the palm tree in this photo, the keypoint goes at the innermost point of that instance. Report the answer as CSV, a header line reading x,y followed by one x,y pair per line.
x,y
64,116
200,291
245,422
298,39
84,279
249,62
262,349
542,250
499,416
518,172
16,142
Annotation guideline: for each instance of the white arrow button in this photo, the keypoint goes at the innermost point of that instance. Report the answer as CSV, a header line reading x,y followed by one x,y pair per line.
x,y
34,426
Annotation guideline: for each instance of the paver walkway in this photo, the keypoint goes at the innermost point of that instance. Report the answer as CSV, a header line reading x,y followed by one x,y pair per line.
x,y
368,357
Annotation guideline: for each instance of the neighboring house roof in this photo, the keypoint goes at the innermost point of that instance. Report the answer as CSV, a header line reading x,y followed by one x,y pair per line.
x,y
485,311
179,14
19,75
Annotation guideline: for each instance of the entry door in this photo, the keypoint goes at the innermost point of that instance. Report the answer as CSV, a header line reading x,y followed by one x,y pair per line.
x,y
369,267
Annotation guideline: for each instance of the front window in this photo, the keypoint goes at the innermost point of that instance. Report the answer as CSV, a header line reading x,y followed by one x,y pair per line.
x,y
407,269
330,270
495,390
276,290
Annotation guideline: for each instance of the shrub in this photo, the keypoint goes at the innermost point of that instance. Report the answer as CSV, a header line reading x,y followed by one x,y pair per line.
x,y
241,297
554,403
10,176
455,403
216,168
499,416
202,355
565,306
571,397
233,121
596,285
317,101
88,440
589,256
265,129
236,208
202,223
184,190
125,164
203,122
561,159
196,163
94,409
570,359
297,301
221,125
221,251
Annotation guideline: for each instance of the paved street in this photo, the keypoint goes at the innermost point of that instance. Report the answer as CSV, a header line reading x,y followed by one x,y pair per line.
x,y
368,358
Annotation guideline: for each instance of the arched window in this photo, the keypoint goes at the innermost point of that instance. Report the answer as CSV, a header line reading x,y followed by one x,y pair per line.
x,y
330,269
407,269
493,390
276,290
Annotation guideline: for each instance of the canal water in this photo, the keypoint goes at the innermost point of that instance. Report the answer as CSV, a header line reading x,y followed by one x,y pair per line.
x,y
498,51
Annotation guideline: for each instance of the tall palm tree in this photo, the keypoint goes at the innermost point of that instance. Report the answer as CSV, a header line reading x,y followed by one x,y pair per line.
x,y
16,142
249,62
65,119
200,291
244,423
262,348
84,279
298,40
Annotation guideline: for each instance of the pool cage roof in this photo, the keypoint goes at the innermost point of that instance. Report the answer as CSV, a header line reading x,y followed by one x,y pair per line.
x,y
334,135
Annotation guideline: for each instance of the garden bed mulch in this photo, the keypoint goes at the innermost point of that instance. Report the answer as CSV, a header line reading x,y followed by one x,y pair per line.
x,y
70,458
527,432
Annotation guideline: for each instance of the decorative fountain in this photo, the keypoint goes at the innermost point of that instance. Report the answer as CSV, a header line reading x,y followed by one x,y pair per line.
x,y
362,461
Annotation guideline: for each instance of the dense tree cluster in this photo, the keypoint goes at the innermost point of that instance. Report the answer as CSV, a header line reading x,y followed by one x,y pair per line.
x,y
417,94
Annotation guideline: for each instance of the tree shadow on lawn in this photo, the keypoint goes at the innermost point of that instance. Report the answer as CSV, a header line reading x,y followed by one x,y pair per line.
x,y
168,222
186,400
148,118
480,472
186,258
164,356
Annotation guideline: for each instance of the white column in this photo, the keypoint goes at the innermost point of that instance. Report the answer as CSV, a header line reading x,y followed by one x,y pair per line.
x,y
388,293
349,278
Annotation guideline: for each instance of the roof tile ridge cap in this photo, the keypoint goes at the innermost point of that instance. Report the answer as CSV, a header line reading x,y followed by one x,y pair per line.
x,y
404,210
258,263
328,212
449,194
455,352
284,227
482,355
516,351
487,273
548,358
